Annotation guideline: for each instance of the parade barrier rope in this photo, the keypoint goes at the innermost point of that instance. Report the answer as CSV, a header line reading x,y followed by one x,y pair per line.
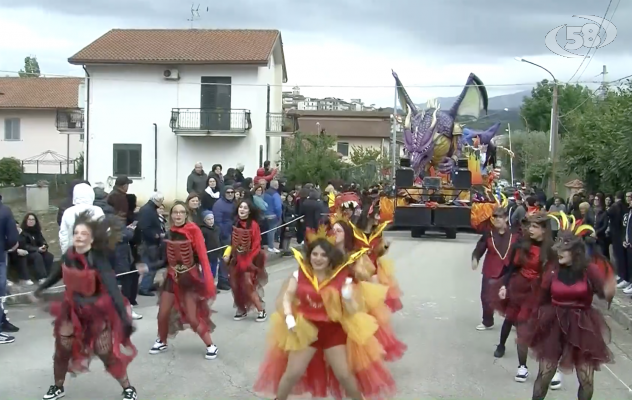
x,y
3,298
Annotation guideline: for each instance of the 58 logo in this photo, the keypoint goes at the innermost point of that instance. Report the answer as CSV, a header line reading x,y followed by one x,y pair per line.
x,y
587,36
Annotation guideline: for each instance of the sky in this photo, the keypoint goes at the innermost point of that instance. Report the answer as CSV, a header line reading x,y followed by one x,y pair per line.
x,y
433,46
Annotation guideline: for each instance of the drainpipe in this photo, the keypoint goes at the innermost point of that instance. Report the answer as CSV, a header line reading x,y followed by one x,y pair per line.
x,y
87,126
155,157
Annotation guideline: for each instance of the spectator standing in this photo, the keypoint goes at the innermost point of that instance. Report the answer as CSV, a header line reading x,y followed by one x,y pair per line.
x,y
223,212
8,241
118,197
151,235
197,180
273,213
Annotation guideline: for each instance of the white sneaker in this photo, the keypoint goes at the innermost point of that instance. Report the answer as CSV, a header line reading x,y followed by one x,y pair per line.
x,y
628,289
158,347
273,250
482,327
211,352
9,284
522,374
622,284
556,382
136,316
27,282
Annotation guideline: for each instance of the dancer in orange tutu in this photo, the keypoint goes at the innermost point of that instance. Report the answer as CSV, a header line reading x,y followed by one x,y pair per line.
x,y
322,341
247,262
350,240
566,330
189,287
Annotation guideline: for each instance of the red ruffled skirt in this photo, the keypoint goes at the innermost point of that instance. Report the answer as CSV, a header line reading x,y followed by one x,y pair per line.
x,y
521,298
190,283
93,323
394,349
574,336
246,281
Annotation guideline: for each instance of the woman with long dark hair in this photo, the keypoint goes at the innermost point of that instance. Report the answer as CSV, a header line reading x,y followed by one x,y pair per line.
x,y
519,293
319,328
189,288
93,319
36,245
567,332
246,262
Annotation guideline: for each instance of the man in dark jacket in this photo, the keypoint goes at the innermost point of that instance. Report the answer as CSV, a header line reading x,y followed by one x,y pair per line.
x,y
616,213
197,180
8,240
312,210
151,238
101,200
223,210
118,197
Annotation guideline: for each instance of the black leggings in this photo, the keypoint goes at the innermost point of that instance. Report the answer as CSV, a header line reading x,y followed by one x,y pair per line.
x,y
585,376
522,349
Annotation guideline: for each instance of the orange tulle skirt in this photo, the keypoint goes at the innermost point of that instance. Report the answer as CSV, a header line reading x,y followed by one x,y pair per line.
x,y
386,276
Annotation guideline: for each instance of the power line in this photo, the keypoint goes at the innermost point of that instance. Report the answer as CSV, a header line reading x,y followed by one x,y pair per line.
x,y
597,48
588,52
426,86
590,97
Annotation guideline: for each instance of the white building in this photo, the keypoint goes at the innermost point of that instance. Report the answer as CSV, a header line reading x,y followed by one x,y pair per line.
x,y
42,125
161,100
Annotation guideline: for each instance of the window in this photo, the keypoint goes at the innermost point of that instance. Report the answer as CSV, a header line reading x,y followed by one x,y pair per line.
x,y
12,129
81,137
343,148
127,160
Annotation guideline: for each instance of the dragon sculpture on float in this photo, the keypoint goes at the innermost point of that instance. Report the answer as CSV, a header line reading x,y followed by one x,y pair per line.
x,y
434,138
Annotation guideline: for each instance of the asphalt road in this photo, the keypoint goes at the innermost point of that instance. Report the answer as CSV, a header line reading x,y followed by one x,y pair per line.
x,y
447,357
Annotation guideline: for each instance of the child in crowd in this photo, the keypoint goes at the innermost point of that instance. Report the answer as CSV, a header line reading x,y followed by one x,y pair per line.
x,y
211,239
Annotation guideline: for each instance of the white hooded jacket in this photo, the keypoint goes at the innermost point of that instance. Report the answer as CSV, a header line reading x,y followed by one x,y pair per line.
x,y
82,200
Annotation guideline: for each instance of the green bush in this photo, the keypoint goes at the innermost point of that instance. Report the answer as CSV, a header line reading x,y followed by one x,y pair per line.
x,y
10,171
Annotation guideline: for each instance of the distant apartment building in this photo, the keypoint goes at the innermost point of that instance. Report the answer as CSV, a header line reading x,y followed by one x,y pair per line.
x,y
293,100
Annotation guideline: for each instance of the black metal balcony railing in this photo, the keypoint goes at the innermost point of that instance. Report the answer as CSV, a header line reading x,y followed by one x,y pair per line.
x,y
275,122
210,120
69,120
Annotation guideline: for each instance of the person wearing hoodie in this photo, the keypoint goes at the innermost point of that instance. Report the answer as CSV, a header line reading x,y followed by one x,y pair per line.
x,y
9,237
151,235
223,210
82,200
239,173
101,199
273,213
210,231
68,202
265,173
197,180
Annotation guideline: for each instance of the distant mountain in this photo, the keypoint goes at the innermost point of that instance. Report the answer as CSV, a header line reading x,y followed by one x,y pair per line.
x,y
511,101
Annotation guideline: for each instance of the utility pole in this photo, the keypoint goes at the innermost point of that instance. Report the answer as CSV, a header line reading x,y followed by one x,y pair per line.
x,y
604,82
553,140
510,157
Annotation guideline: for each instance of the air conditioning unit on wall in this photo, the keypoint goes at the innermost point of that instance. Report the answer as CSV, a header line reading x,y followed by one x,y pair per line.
x,y
171,74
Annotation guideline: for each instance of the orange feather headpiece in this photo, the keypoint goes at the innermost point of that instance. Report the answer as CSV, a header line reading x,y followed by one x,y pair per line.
x,y
321,233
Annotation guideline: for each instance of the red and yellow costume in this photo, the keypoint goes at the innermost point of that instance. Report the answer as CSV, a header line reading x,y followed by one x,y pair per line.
x,y
247,264
322,322
188,274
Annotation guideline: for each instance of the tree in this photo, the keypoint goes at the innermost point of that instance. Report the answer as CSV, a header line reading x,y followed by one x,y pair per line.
x,y
31,68
310,158
537,108
599,148
10,171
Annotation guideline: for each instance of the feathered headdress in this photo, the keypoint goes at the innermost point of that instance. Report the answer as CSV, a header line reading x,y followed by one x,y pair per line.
x,y
570,234
321,233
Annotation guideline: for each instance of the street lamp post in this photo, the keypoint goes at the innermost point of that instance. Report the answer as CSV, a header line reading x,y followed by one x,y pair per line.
x,y
553,134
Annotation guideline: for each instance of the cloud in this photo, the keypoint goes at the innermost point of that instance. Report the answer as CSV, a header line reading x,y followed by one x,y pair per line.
x,y
345,42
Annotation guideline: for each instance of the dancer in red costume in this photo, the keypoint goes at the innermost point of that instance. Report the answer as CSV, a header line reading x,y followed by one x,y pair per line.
x,y
566,330
497,243
246,263
322,341
349,241
189,288
93,319
519,294
369,232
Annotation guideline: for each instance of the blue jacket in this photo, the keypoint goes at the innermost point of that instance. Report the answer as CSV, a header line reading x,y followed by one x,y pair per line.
x,y
223,211
9,235
275,205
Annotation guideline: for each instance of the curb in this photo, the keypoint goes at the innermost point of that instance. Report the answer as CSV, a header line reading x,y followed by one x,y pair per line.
x,y
49,295
620,309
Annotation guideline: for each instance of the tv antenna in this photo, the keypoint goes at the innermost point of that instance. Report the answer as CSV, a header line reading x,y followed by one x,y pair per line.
x,y
195,14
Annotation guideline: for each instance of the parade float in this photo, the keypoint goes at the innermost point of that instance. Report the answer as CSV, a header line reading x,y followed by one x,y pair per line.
x,y
444,161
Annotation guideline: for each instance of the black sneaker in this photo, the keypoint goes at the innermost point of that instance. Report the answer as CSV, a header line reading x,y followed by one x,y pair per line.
x,y
223,286
158,347
146,293
54,392
500,351
240,315
8,327
130,393
262,316
6,339
211,352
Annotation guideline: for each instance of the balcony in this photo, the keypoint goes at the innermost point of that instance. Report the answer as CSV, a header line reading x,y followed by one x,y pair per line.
x,y
69,121
278,125
210,122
